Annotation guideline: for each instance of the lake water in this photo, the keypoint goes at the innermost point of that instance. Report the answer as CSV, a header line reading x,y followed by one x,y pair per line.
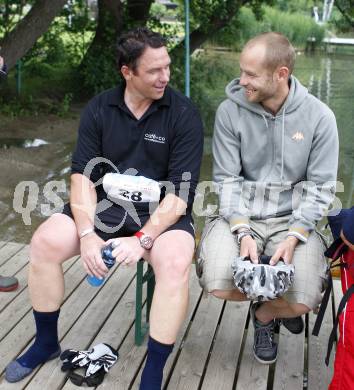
x,y
330,78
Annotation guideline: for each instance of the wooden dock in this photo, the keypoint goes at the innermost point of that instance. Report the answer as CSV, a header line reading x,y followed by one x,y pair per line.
x,y
213,351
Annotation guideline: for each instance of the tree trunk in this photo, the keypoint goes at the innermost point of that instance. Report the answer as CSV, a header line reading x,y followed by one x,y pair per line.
x,y
109,25
98,67
138,12
21,39
111,22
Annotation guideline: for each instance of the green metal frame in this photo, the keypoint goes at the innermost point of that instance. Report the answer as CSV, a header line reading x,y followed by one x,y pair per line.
x,y
142,327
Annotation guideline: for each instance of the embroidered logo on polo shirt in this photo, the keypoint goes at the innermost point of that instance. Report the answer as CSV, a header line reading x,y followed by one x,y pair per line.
x,y
154,138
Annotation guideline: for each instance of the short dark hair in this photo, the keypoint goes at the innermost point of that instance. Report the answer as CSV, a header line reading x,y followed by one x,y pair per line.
x,y
131,46
279,51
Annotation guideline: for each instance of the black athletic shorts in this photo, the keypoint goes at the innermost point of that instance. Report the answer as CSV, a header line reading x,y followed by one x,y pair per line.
x,y
129,227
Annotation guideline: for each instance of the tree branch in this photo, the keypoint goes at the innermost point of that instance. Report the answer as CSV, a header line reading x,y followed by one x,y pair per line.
x,y
21,39
344,13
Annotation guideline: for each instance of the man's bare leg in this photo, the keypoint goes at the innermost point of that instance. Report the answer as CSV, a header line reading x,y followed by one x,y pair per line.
x,y
229,295
54,242
170,257
280,308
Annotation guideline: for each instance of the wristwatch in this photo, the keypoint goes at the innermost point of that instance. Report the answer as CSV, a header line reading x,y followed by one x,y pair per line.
x,y
146,241
244,233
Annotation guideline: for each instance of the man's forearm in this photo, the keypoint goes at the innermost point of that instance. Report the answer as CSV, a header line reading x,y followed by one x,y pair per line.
x,y
167,213
83,200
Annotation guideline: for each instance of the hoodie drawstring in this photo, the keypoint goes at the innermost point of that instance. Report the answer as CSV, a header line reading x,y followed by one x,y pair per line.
x,y
282,145
265,120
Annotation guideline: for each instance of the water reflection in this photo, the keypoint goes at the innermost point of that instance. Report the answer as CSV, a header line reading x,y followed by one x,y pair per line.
x,y
6,143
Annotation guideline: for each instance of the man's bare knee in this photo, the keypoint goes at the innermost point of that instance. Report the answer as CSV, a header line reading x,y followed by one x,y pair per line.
x,y
46,247
41,248
173,272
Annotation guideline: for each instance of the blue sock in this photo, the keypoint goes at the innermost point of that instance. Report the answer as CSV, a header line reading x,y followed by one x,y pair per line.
x,y
46,342
151,378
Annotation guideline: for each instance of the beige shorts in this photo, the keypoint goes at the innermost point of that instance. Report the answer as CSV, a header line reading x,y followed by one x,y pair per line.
x,y
218,247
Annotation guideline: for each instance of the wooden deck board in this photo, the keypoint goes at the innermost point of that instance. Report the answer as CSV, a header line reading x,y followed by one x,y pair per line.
x,y
189,369
213,349
289,366
252,374
7,250
221,368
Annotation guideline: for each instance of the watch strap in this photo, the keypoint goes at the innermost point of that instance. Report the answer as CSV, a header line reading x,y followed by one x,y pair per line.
x,y
139,234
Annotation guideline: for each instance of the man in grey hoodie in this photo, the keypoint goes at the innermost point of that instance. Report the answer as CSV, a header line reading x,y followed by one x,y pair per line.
x,y
275,149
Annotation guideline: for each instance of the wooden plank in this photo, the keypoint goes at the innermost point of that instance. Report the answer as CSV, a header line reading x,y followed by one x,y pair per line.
x,y
15,262
21,305
195,292
252,374
194,353
15,265
94,327
15,343
319,375
289,367
8,250
221,369
6,298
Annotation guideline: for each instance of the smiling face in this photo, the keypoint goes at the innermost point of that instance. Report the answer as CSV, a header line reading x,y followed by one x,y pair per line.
x,y
151,76
260,83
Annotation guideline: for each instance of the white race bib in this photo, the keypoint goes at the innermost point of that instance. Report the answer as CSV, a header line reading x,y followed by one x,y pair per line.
x,y
131,188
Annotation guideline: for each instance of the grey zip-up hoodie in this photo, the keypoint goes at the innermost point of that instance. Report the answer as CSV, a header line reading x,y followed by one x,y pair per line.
x,y
267,166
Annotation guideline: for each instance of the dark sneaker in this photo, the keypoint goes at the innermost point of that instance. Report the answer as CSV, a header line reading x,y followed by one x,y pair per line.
x,y
294,325
264,348
8,283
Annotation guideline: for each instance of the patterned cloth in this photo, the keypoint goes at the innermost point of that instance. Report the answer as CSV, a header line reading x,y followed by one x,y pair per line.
x,y
262,282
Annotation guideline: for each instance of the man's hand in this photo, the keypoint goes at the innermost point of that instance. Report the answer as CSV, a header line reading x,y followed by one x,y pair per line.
x,y
249,248
285,250
128,251
1,62
90,247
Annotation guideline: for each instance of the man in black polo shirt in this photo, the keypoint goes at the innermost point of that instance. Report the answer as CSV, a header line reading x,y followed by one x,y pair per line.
x,y
131,139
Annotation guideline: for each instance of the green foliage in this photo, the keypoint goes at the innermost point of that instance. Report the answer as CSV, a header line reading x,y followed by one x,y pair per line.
x,y
64,106
11,11
298,6
296,27
342,19
209,77
99,71
27,105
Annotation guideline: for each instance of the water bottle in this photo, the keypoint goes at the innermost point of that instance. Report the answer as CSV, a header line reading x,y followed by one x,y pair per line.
x,y
108,259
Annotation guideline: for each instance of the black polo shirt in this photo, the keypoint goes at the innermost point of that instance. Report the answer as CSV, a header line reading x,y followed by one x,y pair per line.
x,y
164,144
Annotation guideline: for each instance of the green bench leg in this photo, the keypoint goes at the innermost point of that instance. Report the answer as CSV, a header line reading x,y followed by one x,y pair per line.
x,y
141,328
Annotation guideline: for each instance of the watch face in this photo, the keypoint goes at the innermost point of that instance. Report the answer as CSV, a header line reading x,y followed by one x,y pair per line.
x,y
146,242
